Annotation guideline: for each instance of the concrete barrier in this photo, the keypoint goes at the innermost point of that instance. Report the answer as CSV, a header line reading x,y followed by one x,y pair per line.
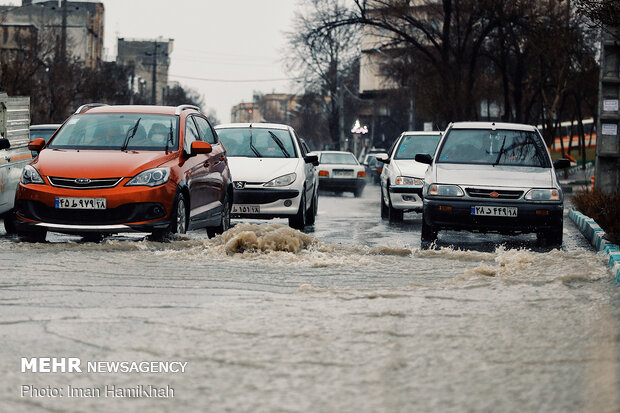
x,y
595,234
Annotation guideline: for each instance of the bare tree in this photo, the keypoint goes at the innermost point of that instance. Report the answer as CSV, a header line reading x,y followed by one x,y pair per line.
x,y
323,57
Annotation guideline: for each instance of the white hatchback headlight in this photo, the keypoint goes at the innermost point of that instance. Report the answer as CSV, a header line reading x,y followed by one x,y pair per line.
x,y
408,181
283,180
150,177
550,194
445,190
31,176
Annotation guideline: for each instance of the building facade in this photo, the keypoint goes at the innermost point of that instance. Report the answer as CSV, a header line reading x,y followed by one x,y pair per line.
x,y
83,23
149,61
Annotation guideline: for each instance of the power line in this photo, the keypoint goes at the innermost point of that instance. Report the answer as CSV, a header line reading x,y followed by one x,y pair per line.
x,y
234,80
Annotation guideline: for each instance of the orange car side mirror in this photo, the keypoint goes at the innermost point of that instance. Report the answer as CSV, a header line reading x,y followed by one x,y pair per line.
x,y
200,147
36,144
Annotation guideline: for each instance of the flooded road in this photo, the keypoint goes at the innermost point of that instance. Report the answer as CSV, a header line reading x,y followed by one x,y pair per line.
x,y
350,316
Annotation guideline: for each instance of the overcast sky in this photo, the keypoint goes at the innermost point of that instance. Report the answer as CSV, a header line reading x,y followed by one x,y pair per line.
x,y
213,39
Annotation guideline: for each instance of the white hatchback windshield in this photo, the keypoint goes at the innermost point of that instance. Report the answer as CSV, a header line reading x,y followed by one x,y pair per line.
x,y
130,131
257,142
488,147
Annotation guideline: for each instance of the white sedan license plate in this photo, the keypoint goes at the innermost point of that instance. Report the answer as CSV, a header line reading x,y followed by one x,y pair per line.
x,y
343,174
245,209
80,203
494,211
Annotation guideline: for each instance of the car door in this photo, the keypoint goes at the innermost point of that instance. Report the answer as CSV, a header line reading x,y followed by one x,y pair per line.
x,y
215,180
196,168
309,170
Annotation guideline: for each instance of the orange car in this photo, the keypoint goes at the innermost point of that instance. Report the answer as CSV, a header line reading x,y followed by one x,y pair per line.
x,y
112,169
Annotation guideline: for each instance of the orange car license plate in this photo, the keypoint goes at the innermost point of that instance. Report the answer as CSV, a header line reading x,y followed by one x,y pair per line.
x,y
80,203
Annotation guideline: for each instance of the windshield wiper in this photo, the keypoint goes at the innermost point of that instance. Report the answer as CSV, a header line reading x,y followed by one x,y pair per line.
x,y
256,152
128,136
280,144
501,152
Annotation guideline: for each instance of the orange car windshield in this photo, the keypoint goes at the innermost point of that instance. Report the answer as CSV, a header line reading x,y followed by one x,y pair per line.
x,y
113,131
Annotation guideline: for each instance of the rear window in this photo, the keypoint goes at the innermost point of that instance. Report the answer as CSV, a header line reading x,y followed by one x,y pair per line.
x,y
338,159
257,142
410,145
111,130
499,147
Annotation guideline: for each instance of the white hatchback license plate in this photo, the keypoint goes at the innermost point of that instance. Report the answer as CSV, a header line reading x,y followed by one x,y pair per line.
x,y
80,203
245,209
494,211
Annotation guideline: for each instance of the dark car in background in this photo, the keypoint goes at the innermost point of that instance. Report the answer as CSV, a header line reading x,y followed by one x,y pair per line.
x,y
43,131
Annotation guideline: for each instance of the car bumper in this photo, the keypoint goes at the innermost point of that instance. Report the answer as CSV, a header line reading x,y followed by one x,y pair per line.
x,y
128,209
342,184
406,198
456,215
272,203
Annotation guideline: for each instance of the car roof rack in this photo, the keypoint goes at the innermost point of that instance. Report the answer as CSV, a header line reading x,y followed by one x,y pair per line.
x,y
181,108
87,106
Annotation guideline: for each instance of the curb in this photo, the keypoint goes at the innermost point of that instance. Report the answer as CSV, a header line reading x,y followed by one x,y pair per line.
x,y
594,233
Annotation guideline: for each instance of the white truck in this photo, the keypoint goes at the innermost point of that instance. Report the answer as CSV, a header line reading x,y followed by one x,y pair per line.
x,y
14,153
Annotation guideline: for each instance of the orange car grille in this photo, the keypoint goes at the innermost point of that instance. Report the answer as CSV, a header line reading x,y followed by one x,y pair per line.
x,y
86,183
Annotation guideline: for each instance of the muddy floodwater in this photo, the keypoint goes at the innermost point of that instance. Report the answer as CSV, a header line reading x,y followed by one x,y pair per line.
x,y
350,316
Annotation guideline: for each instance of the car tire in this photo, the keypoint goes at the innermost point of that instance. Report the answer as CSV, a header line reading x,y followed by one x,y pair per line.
x,y
394,215
298,221
429,233
32,236
358,192
10,223
92,237
178,220
384,208
552,237
224,224
314,209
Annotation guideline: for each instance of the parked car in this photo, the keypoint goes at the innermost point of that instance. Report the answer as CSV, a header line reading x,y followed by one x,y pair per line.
x,y
339,171
14,154
374,167
274,172
402,177
112,169
492,177
43,131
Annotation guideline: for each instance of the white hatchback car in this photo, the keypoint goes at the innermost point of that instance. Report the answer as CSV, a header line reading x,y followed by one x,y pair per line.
x,y
273,172
492,177
341,172
402,178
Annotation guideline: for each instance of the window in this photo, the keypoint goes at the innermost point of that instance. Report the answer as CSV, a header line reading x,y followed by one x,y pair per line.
x,y
110,131
191,133
205,130
488,147
410,145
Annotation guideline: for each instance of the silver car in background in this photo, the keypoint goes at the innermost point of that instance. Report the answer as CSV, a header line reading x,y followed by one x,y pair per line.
x,y
402,177
492,177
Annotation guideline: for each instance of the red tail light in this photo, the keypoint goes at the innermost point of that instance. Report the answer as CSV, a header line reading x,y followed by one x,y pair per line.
x,y
323,173
361,174
379,170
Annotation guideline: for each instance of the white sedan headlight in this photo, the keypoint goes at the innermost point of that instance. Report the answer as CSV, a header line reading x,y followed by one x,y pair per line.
x,y
550,194
283,180
31,176
408,181
150,177
445,190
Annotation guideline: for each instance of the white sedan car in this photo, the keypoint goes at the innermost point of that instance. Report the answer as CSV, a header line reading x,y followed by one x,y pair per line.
x,y
339,171
274,174
402,178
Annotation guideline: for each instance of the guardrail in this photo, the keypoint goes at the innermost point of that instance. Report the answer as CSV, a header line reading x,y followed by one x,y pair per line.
x,y
596,236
